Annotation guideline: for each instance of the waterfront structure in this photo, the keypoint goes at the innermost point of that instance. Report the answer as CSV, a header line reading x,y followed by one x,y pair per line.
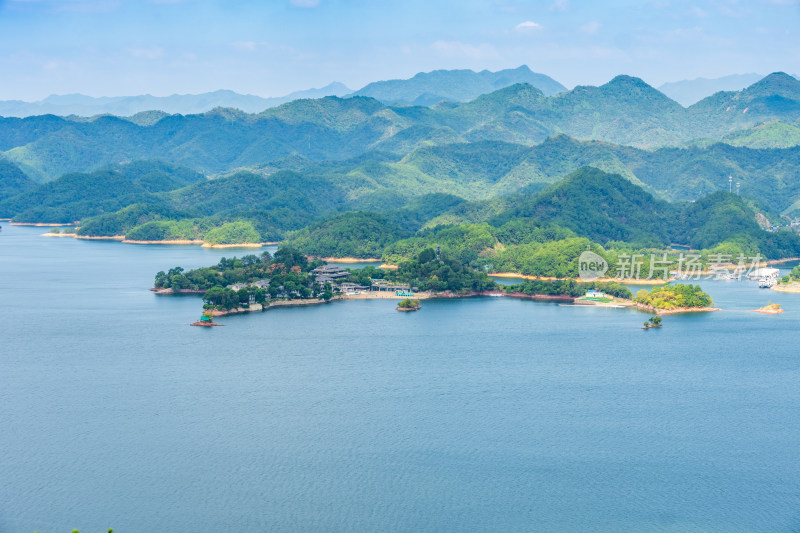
x,y
382,285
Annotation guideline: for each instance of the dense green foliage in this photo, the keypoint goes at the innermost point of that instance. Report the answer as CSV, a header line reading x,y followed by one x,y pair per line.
x,y
164,230
354,177
441,272
555,258
13,181
122,221
674,296
772,134
625,110
238,232
792,276
653,322
568,287
76,196
600,206
355,234
465,242
287,265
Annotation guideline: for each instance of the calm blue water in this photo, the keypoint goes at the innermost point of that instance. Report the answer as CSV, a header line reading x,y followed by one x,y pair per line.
x,y
488,414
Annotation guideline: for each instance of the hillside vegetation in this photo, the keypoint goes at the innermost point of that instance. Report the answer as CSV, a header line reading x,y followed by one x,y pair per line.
x,y
623,111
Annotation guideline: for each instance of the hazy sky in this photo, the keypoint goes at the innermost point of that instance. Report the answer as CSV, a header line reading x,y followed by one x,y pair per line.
x,y
273,47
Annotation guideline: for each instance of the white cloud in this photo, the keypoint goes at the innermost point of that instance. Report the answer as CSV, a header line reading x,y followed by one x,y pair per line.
x,y
464,50
304,3
559,5
591,27
527,26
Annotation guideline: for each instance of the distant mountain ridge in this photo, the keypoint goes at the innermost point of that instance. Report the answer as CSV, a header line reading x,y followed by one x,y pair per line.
x,y
427,88
125,106
689,92
624,111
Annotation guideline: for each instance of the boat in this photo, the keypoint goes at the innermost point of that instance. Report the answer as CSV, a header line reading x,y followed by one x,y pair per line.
x,y
766,283
760,273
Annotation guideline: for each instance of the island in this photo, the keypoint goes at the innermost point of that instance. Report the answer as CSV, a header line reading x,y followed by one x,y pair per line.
x,y
674,298
653,322
409,305
207,320
770,309
290,278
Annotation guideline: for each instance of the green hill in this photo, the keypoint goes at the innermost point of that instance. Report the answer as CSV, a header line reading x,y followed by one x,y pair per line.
x,y
427,88
354,234
80,195
122,221
625,111
772,134
13,181
775,97
601,206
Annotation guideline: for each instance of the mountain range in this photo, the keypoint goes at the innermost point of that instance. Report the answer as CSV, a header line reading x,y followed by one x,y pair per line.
x,y
426,88
124,106
624,111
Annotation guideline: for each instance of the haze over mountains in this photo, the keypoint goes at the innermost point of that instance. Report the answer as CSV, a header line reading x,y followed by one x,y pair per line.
x,y
425,88
623,111
428,88
307,160
688,92
125,106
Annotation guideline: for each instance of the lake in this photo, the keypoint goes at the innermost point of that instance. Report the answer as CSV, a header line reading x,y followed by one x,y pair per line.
x,y
486,414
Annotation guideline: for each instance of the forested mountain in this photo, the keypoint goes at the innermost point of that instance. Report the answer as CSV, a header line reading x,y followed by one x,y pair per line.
x,y
77,196
589,209
601,206
353,234
776,96
354,176
12,180
490,169
427,88
772,134
625,111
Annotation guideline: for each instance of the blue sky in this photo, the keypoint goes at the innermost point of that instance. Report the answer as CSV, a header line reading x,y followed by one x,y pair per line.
x,y
273,47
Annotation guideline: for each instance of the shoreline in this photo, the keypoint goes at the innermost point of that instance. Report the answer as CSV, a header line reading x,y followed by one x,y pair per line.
x,y
675,311
177,291
40,224
242,245
781,261
173,241
616,303
793,288
122,239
